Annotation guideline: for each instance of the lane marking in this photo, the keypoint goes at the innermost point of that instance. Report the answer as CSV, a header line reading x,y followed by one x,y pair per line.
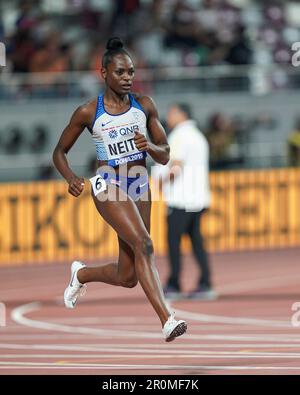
x,y
166,354
232,320
18,315
142,347
59,366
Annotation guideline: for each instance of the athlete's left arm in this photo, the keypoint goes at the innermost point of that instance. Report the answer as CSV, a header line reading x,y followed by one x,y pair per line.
x,y
158,148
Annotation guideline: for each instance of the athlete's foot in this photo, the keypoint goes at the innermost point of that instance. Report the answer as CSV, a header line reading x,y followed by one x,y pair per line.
x,y
75,288
173,328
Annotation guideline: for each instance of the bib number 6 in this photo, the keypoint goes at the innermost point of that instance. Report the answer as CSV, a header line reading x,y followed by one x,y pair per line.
x,y
98,184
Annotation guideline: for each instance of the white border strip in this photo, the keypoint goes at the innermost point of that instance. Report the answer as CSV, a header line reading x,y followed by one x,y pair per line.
x,y
59,366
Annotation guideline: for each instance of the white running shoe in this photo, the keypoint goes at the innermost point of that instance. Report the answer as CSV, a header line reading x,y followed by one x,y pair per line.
x,y
173,328
75,288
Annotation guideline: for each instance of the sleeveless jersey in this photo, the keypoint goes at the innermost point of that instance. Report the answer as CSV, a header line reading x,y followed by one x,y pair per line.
x,y
113,135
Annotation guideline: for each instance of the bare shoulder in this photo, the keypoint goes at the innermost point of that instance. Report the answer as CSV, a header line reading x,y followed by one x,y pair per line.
x,y
146,102
85,113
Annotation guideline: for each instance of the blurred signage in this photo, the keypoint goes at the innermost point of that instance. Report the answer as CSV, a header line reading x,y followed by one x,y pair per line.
x,y
41,222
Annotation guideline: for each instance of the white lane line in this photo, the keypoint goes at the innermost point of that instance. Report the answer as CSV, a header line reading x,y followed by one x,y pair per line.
x,y
232,320
195,328
250,347
17,315
224,322
59,366
129,320
166,355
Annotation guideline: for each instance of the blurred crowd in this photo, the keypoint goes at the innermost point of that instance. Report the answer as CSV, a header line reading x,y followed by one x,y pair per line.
x,y
46,35
70,35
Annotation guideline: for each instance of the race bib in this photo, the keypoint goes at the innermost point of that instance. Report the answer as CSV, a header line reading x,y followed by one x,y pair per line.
x,y
98,184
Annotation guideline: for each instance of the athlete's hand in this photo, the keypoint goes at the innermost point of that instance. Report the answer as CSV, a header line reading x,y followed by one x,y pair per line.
x,y
142,144
76,186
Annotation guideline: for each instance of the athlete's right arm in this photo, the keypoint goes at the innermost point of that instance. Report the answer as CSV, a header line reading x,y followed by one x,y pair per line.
x,y
80,119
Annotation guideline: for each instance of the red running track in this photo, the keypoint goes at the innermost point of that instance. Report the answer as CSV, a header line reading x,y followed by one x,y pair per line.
x,y
247,330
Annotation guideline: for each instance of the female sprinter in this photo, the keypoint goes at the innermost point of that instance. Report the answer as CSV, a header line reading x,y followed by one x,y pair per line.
x,y
118,121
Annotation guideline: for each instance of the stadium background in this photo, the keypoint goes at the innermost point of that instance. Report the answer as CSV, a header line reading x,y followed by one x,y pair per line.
x,y
231,61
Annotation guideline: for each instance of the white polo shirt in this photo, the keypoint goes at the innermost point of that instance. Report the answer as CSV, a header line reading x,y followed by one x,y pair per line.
x,y
190,188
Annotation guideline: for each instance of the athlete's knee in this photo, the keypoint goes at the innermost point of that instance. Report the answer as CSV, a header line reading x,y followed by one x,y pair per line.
x,y
129,283
144,245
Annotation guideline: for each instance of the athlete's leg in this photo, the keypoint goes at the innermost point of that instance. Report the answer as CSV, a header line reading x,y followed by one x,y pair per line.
x,y
121,273
126,220
147,274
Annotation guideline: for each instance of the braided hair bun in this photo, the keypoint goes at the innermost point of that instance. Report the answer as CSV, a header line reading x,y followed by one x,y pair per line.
x,y
114,47
114,43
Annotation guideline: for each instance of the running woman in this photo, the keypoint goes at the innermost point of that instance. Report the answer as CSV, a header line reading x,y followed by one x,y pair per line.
x,y
118,121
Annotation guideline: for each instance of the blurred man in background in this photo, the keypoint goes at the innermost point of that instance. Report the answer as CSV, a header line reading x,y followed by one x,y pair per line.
x,y
221,137
186,191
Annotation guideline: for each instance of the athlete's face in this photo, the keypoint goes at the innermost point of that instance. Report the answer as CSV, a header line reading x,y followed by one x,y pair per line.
x,y
119,74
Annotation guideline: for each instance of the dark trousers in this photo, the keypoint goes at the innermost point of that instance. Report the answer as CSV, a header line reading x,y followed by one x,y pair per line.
x,y
181,222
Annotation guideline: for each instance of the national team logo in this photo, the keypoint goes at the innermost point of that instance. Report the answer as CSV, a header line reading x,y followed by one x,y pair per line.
x,y
113,134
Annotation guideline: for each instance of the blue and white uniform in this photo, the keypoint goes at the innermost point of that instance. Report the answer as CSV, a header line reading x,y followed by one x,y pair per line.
x,y
113,135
